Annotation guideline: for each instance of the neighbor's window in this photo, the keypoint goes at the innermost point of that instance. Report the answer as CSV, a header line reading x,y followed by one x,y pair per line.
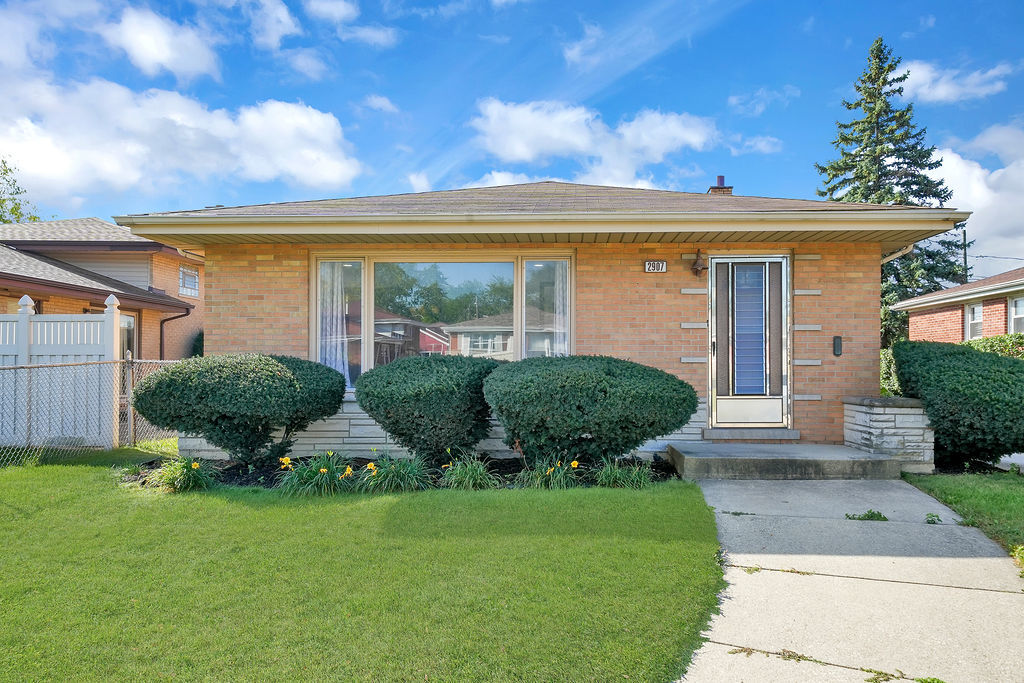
x,y
456,308
468,306
188,281
1016,315
974,329
546,310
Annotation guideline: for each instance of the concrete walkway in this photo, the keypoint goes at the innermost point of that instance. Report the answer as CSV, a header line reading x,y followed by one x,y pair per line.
x,y
814,596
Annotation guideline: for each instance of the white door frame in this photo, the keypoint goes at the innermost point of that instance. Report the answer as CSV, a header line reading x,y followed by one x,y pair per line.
x,y
771,409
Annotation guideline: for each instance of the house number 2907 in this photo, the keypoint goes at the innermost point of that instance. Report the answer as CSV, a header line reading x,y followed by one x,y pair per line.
x,y
655,266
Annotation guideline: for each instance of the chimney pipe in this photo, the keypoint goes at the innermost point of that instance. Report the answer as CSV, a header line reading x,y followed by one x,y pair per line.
x,y
720,187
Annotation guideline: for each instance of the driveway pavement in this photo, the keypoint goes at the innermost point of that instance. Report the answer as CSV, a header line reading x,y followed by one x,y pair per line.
x,y
814,596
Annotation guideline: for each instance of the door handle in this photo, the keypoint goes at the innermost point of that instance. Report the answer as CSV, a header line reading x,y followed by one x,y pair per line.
x,y
712,348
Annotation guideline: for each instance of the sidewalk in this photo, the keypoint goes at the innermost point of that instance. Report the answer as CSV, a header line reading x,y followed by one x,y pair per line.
x,y
814,596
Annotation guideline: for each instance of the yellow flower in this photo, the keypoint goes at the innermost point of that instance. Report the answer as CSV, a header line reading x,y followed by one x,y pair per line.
x,y
348,471
371,467
550,470
323,470
285,461
448,451
330,452
559,463
443,467
341,476
574,464
195,465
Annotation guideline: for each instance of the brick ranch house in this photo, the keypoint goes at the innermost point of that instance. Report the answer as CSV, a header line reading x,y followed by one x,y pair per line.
x,y
768,307
70,267
984,308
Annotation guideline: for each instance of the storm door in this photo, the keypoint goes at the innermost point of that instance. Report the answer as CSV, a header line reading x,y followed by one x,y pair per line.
x,y
749,301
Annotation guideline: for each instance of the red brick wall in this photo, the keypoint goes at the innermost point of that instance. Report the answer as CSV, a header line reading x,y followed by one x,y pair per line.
x,y
943,324
993,317
257,299
946,323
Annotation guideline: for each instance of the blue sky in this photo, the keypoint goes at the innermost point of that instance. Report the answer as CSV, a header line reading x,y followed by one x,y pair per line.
x,y
119,107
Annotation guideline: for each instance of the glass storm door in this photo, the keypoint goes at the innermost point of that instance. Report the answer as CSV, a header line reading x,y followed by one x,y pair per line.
x,y
749,342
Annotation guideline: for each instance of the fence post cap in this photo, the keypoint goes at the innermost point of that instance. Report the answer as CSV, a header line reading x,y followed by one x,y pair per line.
x,y
26,304
112,301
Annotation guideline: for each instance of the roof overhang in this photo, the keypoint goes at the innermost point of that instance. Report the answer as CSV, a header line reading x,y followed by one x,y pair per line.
x,y
894,228
942,299
25,285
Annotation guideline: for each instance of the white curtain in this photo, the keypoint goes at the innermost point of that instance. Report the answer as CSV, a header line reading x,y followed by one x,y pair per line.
x,y
340,316
561,335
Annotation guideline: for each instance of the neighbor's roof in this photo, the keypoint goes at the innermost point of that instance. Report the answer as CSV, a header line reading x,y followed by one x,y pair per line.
x,y
536,320
35,272
67,230
1004,283
546,212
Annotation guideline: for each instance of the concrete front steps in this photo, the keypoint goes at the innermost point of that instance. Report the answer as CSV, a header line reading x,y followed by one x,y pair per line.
x,y
707,460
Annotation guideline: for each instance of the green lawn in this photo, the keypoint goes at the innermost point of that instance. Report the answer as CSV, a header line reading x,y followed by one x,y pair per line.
x,y
992,502
106,582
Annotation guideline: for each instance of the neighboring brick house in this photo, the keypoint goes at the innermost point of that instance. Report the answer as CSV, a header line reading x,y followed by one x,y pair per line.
x,y
71,266
984,308
768,307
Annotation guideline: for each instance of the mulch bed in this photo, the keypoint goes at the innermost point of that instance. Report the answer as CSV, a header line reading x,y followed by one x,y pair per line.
x,y
232,473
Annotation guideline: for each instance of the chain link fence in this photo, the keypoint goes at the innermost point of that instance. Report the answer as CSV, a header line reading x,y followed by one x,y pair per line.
x,y
59,412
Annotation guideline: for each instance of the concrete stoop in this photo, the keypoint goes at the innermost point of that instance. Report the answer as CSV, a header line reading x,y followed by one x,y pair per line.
x,y
705,460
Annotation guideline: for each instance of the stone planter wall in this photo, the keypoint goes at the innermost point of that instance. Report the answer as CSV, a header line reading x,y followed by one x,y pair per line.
x,y
354,433
897,427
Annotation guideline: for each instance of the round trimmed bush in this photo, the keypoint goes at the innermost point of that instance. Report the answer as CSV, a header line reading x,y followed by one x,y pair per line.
x,y
974,399
585,407
239,402
429,404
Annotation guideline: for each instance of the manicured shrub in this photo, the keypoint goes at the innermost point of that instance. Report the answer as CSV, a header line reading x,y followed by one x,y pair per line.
x,y
239,402
585,407
468,473
890,384
184,474
391,475
1009,345
974,399
613,474
325,474
429,403
551,474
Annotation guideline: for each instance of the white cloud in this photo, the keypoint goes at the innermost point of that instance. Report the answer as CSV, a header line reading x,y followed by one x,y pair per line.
x,y
380,103
506,3
307,62
154,43
583,52
337,11
99,136
925,23
375,35
755,103
539,131
807,25
758,144
534,130
928,83
496,38
996,196
21,26
270,22
419,182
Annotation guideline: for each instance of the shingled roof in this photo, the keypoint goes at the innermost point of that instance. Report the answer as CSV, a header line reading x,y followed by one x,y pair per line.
x,y
31,268
545,197
1003,283
67,230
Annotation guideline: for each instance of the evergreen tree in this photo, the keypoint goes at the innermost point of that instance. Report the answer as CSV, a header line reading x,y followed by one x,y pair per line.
x,y
883,159
13,207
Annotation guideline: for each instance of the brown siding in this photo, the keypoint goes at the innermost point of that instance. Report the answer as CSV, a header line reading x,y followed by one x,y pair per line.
x,y
258,300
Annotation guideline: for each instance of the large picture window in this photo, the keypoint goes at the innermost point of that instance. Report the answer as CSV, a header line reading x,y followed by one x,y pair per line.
x,y
501,309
